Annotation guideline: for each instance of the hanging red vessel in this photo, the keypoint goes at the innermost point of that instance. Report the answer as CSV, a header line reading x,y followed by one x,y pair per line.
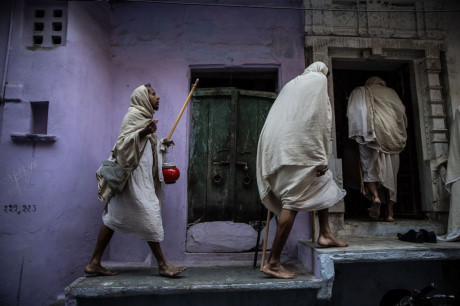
x,y
170,173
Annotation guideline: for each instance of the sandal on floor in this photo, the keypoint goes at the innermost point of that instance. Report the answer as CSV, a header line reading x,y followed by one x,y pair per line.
x,y
374,210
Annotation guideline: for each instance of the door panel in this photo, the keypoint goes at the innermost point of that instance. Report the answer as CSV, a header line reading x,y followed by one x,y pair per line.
x,y
220,148
226,124
253,108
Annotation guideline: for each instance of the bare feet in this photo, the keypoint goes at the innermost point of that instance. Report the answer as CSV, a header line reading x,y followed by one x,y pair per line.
x,y
389,219
374,211
98,270
329,240
169,270
278,271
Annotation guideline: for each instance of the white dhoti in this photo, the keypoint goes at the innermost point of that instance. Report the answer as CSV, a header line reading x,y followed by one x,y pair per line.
x,y
380,167
298,188
136,210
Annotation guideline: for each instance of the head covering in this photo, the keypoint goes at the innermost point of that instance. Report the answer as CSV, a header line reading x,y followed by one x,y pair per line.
x,y
297,130
317,67
128,145
140,100
375,80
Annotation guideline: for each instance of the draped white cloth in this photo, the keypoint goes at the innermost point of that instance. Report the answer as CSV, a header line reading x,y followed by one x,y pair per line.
x,y
136,210
380,167
453,175
377,121
296,133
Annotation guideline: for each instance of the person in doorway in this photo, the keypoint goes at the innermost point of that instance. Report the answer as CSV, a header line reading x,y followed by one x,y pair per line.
x,y
377,121
292,158
135,210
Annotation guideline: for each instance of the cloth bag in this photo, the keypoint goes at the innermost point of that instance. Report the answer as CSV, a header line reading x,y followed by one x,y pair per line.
x,y
114,174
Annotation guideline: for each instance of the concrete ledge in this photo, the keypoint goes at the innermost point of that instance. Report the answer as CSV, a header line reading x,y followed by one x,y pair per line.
x,y
146,282
33,138
320,261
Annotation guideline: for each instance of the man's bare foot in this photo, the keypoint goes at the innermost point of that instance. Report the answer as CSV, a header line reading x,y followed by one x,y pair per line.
x,y
169,270
278,271
389,219
330,240
98,270
374,210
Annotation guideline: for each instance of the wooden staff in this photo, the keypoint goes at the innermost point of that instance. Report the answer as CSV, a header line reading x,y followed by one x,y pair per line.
x,y
313,226
182,110
265,241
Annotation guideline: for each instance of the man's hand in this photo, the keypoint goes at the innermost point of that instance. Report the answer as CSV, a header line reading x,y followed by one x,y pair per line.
x,y
149,129
322,171
167,142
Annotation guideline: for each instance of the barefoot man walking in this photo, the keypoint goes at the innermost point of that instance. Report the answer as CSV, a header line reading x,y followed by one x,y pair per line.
x,y
134,209
292,157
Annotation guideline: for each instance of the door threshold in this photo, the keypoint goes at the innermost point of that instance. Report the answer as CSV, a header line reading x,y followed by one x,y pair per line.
x,y
373,228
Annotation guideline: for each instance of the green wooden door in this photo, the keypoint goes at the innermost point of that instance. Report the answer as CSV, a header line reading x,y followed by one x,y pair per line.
x,y
226,123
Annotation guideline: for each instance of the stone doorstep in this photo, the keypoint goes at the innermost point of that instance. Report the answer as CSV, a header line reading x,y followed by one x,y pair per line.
x,y
371,228
320,261
142,281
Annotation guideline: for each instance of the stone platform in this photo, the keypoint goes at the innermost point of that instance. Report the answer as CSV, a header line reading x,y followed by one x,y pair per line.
x,y
243,285
231,285
321,260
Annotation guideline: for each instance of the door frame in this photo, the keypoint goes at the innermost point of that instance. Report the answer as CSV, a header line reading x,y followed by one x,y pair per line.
x,y
431,131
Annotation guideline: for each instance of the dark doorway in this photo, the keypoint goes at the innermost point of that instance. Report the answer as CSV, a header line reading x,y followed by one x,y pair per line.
x,y
346,76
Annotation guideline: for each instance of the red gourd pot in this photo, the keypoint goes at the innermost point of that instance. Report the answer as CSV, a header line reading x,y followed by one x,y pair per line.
x,y
170,173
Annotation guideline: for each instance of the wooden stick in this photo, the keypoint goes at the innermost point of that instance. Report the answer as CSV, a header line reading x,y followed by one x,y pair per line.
x,y
262,262
182,110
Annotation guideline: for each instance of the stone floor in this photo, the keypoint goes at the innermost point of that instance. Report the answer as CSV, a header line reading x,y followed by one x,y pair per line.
x,y
243,285
144,286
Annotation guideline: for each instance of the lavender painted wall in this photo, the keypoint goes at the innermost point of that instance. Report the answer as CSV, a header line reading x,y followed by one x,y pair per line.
x,y
42,251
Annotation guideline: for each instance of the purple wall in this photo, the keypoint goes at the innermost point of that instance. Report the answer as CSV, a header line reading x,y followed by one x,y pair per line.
x,y
44,250
88,83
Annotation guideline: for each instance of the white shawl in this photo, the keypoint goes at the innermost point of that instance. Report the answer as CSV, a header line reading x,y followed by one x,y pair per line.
x,y
297,130
384,128
453,163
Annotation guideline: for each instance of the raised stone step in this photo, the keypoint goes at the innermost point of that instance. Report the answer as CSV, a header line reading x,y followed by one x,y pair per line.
x,y
230,285
321,260
371,228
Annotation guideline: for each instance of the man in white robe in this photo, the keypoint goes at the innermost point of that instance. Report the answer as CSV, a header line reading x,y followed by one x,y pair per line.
x,y
378,123
136,210
292,158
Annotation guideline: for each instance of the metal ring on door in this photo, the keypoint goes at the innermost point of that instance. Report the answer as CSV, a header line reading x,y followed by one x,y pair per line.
x,y
217,178
247,180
